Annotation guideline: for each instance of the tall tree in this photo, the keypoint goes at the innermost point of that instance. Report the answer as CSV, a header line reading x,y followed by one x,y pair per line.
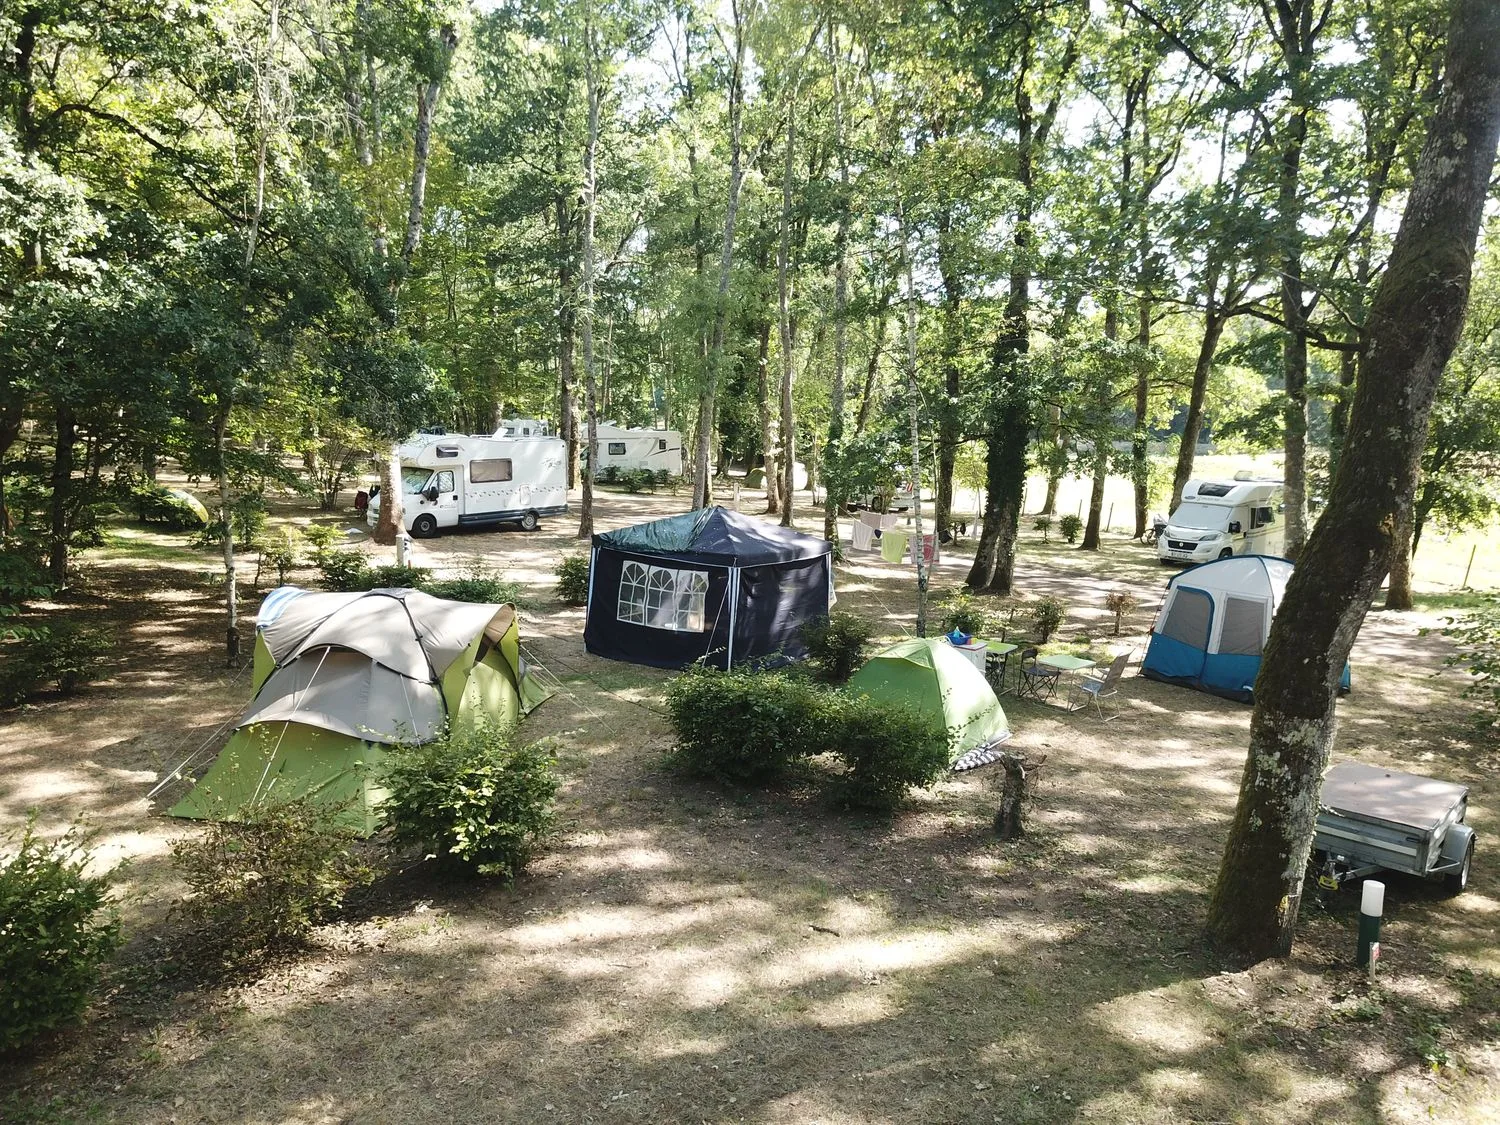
x,y
1415,319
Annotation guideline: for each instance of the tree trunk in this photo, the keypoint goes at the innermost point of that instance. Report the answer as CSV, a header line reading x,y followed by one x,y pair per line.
x,y
869,391
586,288
1398,587
1140,465
1091,527
833,498
427,98
1213,329
1414,322
784,322
62,494
914,400
231,590
567,322
767,419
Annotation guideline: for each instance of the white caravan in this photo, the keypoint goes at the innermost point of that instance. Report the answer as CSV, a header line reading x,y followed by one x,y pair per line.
x,y
456,480
1219,518
624,449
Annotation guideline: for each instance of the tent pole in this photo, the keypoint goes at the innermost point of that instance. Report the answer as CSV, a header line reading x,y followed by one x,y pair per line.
x,y
734,602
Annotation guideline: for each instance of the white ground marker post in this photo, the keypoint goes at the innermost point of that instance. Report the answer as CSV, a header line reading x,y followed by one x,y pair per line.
x,y
1371,905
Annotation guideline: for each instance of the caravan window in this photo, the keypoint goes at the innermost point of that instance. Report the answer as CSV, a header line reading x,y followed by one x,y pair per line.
x,y
1244,626
663,598
491,471
661,444
617,449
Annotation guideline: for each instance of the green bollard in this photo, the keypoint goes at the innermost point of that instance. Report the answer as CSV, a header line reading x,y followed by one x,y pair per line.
x,y
1371,904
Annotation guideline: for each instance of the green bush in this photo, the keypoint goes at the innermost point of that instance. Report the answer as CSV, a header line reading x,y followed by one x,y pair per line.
x,y
262,883
66,655
344,570
639,480
610,474
886,750
1070,525
323,538
154,503
1044,525
835,645
57,928
282,549
743,727
23,578
1046,617
573,579
396,577
476,582
964,612
1477,634
474,798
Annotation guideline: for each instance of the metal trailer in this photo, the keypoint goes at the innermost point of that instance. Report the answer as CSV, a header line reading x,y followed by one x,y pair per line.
x,y
1373,819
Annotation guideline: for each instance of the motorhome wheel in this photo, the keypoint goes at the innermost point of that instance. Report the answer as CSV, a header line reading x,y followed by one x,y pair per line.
x,y
424,526
529,522
1227,552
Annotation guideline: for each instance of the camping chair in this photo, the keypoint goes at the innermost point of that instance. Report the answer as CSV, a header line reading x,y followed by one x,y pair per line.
x,y
1037,681
1093,689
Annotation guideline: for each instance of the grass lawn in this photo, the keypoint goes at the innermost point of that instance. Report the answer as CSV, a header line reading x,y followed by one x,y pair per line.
x,y
689,953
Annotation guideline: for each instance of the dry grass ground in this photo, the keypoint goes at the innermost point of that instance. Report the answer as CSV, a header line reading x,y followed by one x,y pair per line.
x,y
685,953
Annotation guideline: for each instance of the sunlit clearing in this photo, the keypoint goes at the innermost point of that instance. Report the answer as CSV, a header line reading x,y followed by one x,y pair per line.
x,y
1161,1019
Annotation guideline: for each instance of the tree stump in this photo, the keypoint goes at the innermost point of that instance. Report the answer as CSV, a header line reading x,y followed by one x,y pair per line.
x,y
1015,791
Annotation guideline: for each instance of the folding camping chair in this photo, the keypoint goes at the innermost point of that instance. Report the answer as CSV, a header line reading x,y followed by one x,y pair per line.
x,y
1037,681
1093,689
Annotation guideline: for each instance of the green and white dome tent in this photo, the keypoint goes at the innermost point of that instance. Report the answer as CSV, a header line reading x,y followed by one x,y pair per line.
x,y
340,677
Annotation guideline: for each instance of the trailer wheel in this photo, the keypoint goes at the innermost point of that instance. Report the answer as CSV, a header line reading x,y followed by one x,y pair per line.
x,y
424,526
1458,881
529,521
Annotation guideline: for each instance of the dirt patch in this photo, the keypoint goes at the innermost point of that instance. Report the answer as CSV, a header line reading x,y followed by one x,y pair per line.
x,y
686,953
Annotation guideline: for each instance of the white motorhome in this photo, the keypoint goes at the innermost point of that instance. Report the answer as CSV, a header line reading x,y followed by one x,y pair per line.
x,y
521,427
456,480
1219,518
625,449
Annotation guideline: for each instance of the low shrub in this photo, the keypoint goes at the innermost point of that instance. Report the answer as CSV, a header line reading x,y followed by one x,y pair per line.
x,y
610,474
65,655
323,539
57,928
262,883
639,480
154,503
282,550
743,727
474,797
964,612
886,750
664,477
476,582
1046,617
344,570
835,645
1044,525
394,576
1070,526
1120,603
573,579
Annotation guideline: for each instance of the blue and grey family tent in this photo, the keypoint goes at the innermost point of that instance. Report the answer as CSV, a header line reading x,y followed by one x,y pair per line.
x,y
709,585
1214,622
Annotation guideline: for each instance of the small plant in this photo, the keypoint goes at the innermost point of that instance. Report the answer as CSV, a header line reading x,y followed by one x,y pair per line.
x,y
323,539
640,480
1120,603
1478,637
397,577
1046,617
344,570
573,579
887,751
1044,525
154,503
474,798
745,728
261,884
57,928
835,645
1070,526
964,612
66,655
475,582
282,549
664,477
610,474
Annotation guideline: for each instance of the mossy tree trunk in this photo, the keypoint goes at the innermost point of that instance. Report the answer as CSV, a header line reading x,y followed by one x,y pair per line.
x,y
1414,323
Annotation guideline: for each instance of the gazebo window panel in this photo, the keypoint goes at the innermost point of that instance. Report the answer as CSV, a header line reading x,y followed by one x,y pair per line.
x,y
633,593
663,598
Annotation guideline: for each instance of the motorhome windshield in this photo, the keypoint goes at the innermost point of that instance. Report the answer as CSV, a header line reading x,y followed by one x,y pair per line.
x,y
1205,517
414,480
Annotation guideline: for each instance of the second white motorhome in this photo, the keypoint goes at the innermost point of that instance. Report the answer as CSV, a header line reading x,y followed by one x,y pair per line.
x,y
455,480
1219,518
624,449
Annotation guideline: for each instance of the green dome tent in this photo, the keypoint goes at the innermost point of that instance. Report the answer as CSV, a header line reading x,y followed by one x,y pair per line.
x,y
928,675
339,677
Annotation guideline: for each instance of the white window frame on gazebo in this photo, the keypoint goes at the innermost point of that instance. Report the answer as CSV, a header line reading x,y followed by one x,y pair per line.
x,y
662,597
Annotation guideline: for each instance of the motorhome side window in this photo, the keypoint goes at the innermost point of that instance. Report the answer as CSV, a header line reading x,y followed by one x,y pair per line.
x,y
617,449
1262,517
491,471
445,481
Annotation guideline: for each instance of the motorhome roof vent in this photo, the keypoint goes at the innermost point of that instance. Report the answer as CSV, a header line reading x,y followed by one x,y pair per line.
x,y
447,451
1213,488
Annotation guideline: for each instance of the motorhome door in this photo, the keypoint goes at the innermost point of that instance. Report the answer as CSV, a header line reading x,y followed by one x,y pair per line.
x,y
446,482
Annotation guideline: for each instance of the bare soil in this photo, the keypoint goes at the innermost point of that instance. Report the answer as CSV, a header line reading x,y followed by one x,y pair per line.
x,y
686,953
